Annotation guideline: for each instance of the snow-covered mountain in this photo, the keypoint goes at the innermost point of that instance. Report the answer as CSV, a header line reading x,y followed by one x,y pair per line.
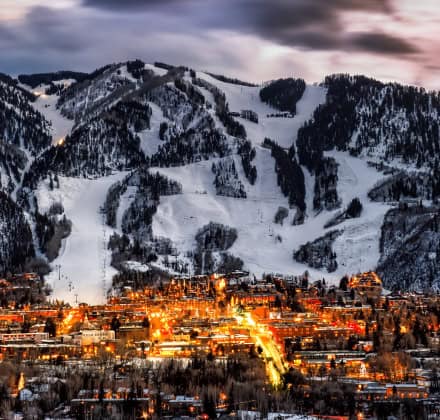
x,y
137,167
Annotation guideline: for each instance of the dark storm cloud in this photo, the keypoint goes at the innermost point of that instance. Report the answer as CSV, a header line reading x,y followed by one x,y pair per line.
x,y
135,5
317,25
49,39
310,24
125,4
43,40
308,6
383,43
46,29
215,35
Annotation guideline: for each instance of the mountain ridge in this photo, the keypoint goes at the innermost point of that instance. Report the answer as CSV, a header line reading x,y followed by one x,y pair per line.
x,y
194,130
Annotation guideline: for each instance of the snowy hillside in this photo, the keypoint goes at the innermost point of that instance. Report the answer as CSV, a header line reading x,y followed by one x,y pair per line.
x,y
46,104
84,262
194,174
263,245
282,130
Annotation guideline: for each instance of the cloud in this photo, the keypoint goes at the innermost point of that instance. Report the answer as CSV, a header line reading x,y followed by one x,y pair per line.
x,y
317,24
308,24
135,5
250,39
125,4
309,5
48,40
382,43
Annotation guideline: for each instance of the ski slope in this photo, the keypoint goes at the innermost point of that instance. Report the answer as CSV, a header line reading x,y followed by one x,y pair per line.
x,y
263,245
357,249
46,105
84,259
150,140
283,130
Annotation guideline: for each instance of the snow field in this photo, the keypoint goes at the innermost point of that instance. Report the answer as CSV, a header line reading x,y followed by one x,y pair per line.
x,y
282,130
46,105
263,245
357,249
84,257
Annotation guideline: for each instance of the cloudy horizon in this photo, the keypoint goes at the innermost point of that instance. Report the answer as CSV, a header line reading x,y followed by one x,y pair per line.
x,y
254,40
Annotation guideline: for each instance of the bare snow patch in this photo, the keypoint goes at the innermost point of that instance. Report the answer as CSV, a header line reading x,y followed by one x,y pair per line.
x,y
136,266
150,140
283,130
46,104
84,259
357,249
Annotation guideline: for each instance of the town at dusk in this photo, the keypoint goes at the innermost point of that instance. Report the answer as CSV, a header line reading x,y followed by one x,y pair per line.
x,y
220,209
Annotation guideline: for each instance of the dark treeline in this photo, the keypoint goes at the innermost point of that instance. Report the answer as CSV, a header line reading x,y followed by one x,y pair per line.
x,y
248,153
193,136
136,221
283,94
233,127
360,113
136,68
410,248
408,185
231,80
191,146
132,113
216,237
226,181
95,149
20,123
325,190
12,162
50,231
149,188
290,176
34,80
353,210
16,244
194,94
319,253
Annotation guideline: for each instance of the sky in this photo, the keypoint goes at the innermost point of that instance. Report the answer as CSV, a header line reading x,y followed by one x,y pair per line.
x,y
255,40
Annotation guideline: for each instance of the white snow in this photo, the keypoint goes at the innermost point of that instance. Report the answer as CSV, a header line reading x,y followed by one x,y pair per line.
x,y
84,257
157,70
282,130
46,104
124,73
263,245
179,217
150,140
64,82
136,266
357,249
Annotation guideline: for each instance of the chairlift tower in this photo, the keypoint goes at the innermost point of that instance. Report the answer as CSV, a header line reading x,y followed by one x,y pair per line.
x,y
104,258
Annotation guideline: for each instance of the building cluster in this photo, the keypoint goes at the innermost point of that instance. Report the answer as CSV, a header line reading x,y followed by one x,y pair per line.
x,y
247,114
321,332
